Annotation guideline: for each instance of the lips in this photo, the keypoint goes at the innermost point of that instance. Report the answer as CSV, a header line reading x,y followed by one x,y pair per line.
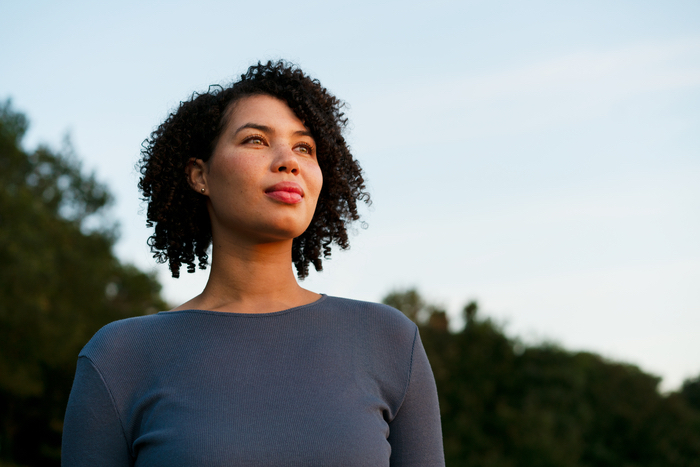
x,y
286,192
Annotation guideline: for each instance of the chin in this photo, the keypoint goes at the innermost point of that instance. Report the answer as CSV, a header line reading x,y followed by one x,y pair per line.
x,y
282,233
289,228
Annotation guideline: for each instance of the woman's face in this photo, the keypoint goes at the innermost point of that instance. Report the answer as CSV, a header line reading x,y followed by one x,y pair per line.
x,y
263,178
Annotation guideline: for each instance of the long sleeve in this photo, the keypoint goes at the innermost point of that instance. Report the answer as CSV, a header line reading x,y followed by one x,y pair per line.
x,y
92,432
415,433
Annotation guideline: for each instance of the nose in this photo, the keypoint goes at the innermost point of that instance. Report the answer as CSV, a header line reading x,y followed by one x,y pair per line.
x,y
285,161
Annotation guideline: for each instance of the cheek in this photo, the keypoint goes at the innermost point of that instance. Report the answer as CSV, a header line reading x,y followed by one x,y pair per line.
x,y
231,173
315,179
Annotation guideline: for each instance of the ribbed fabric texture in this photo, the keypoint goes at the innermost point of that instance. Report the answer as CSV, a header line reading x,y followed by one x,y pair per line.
x,y
336,382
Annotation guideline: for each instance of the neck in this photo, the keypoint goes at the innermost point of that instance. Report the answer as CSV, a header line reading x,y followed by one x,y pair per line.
x,y
251,278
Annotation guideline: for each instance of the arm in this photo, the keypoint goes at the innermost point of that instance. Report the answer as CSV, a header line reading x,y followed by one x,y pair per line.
x,y
92,431
415,433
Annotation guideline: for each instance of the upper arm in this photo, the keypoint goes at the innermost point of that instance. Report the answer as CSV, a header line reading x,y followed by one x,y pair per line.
x,y
415,433
92,432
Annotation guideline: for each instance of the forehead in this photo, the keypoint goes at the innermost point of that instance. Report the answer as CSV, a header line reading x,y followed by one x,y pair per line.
x,y
264,110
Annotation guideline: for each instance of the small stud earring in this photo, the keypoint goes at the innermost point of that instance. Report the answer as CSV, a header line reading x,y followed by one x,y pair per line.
x,y
202,190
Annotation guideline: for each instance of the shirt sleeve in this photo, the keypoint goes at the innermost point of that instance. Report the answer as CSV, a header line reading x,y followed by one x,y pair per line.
x,y
92,432
415,433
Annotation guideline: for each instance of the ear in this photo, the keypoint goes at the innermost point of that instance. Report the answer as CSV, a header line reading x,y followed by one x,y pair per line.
x,y
196,175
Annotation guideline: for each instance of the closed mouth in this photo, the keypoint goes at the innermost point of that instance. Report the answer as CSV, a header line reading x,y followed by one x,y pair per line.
x,y
289,187
286,192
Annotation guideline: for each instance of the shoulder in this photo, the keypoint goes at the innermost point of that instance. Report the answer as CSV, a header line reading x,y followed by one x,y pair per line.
x,y
377,328
129,335
374,310
374,315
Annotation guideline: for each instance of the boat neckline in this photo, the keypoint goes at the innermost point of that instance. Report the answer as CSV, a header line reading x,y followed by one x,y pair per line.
x,y
247,315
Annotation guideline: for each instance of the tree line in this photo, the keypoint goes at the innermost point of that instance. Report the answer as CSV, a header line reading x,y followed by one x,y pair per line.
x,y
59,283
506,404
502,403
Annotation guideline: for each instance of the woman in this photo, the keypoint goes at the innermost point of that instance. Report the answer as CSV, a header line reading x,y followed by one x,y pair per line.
x,y
255,370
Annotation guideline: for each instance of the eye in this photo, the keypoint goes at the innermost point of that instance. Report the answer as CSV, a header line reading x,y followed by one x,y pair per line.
x,y
255,140
305,148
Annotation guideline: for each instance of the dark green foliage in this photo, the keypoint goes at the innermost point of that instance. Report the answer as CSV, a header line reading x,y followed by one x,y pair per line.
x,y
691,392
507,404
59,283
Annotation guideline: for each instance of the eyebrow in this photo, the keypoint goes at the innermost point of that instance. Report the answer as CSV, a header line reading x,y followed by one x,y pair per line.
x,y
267,129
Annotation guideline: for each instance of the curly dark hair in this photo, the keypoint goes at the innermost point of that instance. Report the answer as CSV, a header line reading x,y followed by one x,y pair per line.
x,y
179,214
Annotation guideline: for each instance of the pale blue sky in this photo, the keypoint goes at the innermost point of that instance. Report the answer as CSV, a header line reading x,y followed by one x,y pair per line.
x,y
540,157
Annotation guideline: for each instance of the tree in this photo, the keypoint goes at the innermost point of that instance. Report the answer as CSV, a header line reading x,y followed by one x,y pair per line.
x,y
690,391
507,404
59,283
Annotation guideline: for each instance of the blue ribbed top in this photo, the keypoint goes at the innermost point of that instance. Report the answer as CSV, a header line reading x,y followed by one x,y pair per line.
x,y
336,382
